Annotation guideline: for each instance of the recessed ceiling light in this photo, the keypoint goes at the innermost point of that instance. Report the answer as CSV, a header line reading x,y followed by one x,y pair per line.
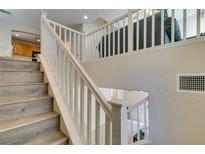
x,y
17,35
85,17
38,40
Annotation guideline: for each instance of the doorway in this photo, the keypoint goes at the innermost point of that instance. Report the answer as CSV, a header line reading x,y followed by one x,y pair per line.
x,y
25,46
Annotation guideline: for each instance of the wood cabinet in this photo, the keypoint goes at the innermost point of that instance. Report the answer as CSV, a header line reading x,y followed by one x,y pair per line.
x,y
23,48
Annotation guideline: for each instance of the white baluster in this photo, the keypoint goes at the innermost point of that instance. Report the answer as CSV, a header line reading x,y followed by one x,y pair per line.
x,y
173,26
198,29
113,38
105,42
63,72
89,99
91,47
89,44
101,43
66,80
79,57
131,125
82,108
153,28
138,125
124,33
162,27
74,45
71,43
184,24
109,38
83,48
97,124
54,27
118,37
98,44
130,32
145,29
71,87
59,67
145,119
95,45
60,33
56,61
76,97
107,130
65,36
137,39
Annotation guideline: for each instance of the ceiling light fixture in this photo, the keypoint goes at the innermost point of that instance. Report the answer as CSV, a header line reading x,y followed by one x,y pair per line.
x,y
38,40
85,17
17,35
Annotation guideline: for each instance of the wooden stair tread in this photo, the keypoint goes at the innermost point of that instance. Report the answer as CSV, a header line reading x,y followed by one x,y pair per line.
x,y
20,122
21,84
16,70
22,100
53,138
18,60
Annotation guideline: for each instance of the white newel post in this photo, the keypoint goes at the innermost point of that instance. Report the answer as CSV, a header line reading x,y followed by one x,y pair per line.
x,y
119,123
43,18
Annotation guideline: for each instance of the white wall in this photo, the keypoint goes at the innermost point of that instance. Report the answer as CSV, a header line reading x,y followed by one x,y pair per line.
x,y
175,118
5,36
5,39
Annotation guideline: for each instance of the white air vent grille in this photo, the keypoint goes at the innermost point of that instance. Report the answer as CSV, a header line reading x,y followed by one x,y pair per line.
x,y
191,82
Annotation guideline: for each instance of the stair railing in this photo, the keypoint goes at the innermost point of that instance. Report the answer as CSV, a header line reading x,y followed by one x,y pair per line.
x,y
89,110
140,30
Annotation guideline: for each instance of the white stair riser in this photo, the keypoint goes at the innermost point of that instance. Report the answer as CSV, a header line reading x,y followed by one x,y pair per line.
x,y
18,110
19,91
20,77
27,133
19,65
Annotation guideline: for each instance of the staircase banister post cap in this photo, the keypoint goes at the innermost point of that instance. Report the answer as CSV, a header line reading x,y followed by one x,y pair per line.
x,y
117,102
44,14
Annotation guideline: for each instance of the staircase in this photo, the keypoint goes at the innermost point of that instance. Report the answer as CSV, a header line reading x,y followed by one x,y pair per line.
x,y
26,109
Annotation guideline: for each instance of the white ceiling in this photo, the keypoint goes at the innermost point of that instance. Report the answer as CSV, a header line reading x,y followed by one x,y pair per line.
x,y
24,36
69,17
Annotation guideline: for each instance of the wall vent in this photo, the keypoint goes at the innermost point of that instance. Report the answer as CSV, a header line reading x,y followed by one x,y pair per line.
x,y
191,82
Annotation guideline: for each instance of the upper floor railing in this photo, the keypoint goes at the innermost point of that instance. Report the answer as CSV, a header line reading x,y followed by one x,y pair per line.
x,y
138,30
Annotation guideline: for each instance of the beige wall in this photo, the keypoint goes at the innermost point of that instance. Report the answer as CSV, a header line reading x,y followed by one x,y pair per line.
x,y
175,118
